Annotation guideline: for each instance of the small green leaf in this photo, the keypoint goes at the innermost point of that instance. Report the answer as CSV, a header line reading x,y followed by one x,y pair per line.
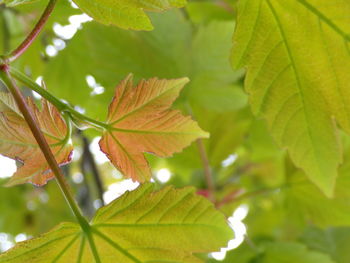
x,y
140,226
127,14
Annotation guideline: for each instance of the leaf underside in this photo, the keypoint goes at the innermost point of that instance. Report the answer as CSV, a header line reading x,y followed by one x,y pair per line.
x,y
140,121
18,143
140,226
298,76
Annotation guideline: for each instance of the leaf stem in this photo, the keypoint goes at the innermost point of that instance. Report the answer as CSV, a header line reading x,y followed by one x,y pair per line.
x,y
44,146
61,106
33,34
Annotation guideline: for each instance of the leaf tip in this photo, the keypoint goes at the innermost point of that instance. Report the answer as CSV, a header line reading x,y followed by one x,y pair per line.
x,y
184,80
204,135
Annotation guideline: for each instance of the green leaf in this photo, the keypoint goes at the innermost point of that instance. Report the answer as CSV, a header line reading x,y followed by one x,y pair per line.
x,y
140,226
127,14
292,253
298,60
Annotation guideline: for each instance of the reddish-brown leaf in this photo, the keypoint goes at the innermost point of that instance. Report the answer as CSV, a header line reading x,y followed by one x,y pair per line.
x,y
17,141
140,121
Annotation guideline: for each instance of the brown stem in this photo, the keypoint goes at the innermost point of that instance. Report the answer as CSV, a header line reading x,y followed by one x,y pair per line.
x,y
34,33
44,146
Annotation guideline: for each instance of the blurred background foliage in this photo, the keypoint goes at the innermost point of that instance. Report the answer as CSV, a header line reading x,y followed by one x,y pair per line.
x,y
285,217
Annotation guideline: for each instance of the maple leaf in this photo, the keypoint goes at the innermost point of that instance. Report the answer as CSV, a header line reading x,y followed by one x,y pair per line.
x,y
139,120
170,225
18,143
302,101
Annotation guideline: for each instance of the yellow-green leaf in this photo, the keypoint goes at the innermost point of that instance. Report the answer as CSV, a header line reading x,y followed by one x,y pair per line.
x,y
18,143
140,120
298,77
140,226
126,14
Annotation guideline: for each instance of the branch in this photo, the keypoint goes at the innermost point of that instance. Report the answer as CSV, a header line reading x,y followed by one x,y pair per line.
x,y
34,33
